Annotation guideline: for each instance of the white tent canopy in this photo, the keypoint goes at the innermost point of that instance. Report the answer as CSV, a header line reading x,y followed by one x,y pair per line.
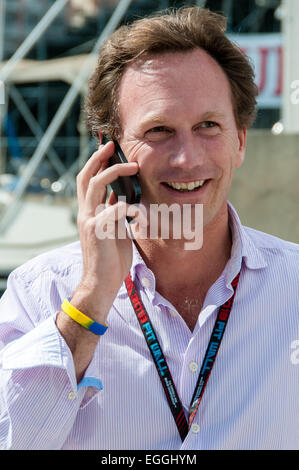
x,y
65,69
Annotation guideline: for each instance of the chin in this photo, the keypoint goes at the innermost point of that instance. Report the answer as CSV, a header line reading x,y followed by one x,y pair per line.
x,y
211,214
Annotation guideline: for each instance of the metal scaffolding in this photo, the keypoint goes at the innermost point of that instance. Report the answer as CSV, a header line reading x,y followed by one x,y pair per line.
x,y
77,87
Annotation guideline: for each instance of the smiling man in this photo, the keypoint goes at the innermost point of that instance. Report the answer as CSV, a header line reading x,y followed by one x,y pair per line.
x,y
142,344
178,124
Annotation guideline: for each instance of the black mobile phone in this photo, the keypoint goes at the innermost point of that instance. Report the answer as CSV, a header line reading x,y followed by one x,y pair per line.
x,y
127,186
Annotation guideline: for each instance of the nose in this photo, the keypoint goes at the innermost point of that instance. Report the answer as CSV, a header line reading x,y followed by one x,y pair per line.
x,y
187,153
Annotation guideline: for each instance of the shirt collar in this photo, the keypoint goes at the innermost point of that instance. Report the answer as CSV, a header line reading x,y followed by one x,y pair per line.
x,y
243,246
139,271
243,249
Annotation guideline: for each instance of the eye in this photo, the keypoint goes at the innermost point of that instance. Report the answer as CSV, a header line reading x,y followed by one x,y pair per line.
x,y
158,129
208,124
208,128
158,133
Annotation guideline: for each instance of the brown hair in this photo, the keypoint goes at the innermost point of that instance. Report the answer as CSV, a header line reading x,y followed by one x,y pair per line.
x,y
170,31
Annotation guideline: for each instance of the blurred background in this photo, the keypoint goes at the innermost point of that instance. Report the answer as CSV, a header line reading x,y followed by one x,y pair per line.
x,y
47,51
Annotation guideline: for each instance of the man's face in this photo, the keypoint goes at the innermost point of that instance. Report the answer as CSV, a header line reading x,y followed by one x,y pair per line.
x,y
177,122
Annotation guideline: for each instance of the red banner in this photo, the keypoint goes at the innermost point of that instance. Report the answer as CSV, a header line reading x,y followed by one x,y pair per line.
x,y
265,52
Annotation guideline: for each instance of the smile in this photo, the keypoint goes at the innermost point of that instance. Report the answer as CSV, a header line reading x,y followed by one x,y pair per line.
x,y
183,187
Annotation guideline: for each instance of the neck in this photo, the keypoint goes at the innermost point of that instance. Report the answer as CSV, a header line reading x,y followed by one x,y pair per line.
x,y
176,268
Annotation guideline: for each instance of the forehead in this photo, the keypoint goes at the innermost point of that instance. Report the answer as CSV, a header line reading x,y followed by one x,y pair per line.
x,y
192,79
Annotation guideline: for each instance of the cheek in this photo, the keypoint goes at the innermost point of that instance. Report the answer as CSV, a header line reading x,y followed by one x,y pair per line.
x,y
150,160
139,152
216,151
225,152
147,162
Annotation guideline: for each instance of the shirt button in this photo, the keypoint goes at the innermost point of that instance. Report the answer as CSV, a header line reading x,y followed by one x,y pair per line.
x,y
193,366
145,282
172,312
195,428
72,396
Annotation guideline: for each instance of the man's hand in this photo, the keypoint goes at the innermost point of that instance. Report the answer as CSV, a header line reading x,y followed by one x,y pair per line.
x,y
106,262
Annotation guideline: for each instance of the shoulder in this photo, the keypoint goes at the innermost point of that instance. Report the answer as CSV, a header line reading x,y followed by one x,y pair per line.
x,y
269,242
36,289
276,251
59,263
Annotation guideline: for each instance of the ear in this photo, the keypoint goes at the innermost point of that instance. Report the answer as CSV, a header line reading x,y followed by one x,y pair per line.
x,y
242,135
100,137
112,199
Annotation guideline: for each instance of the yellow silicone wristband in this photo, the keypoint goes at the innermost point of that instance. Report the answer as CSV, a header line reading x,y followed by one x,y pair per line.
x,y
83,319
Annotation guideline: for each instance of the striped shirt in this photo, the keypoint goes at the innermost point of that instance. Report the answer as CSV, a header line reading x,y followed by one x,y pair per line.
x,y
251,399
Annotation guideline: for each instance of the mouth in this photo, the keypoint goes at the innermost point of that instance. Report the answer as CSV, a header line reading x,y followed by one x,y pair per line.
x,y
187,187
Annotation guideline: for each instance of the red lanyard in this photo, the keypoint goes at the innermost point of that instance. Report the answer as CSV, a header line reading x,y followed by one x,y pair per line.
x,y
160,362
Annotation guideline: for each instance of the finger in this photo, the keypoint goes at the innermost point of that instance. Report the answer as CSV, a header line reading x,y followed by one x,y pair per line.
x,y
97,188
110,223
96,163
119,169
138,225
101,155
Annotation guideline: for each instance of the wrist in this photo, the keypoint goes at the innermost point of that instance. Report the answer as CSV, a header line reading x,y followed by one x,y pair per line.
x,y
89,303
76,336
82,319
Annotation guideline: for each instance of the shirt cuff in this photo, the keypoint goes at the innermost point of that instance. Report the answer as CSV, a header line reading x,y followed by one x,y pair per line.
x,y
44,346
91,376
91,382
41,347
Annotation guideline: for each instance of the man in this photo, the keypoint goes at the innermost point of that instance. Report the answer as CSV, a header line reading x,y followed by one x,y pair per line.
x,y
178,97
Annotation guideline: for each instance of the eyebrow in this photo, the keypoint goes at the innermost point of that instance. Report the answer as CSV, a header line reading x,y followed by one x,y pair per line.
x,y
153,120
159,120
213,115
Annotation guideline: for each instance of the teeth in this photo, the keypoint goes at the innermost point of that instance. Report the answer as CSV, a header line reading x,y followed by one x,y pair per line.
x,y
186,186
